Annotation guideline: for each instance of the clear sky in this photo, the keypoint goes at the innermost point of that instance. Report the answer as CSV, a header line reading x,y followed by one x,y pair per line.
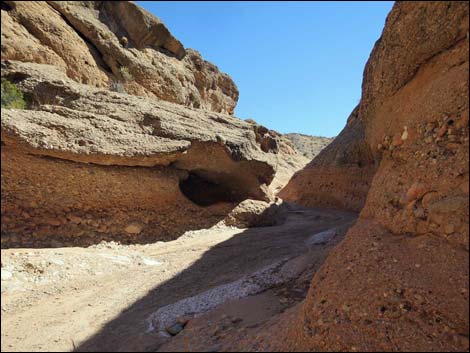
x,y
298,65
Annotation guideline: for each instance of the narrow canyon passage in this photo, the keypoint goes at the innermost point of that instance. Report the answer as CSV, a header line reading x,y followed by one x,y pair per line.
x,y
101,297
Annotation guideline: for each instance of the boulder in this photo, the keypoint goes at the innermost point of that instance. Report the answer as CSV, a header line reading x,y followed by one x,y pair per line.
x,y
254,213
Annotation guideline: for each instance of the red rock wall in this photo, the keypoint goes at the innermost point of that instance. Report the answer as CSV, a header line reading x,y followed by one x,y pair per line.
x,y
399,280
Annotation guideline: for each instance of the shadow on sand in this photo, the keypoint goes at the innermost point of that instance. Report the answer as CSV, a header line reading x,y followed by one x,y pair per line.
x,y
244,253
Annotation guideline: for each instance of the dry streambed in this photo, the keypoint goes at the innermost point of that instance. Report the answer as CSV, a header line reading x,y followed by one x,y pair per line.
x,y
138,297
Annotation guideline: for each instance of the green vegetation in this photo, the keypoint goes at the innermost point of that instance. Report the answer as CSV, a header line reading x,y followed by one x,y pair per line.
x,y
12,97
125,74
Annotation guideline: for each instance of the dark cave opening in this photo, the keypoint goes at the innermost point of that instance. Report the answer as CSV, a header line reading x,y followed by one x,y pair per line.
x,y
6,7
204,192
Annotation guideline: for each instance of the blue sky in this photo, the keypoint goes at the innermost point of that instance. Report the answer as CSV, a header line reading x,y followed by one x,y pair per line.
x,y
298,65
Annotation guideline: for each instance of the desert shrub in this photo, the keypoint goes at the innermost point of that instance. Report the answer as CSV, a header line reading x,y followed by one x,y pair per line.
x,y
12,97
125,74
124,42
117,86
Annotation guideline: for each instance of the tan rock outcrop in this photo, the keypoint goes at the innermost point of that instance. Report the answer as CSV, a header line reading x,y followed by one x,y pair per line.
x,y
339,176
309,146
70,157
288,158
85,40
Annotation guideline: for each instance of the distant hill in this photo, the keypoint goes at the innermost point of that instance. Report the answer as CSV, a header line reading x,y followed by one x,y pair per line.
x,y
308,145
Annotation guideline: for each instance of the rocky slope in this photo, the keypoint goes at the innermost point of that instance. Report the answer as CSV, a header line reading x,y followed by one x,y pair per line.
x,y
84,40
310,146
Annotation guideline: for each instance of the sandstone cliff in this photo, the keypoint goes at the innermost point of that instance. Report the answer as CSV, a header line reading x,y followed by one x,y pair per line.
x,y
399,281
85,164
84,40
127,135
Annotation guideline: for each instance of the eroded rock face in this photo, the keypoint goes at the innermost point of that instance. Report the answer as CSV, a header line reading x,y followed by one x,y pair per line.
x,y
339,176
65,164
309,146
399,280
288,158
85,40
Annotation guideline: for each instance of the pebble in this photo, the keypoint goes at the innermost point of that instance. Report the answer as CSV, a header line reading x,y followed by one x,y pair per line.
x,y
442,131
397,141
133,228
449,228
415,192
404,136
175,329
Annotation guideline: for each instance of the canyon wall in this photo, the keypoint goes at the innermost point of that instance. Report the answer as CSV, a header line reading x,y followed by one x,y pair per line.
x,y
85,162
399,280
136,53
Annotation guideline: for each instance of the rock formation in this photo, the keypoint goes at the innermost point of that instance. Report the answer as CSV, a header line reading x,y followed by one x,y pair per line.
x,y
101,163
85,163
102,151
399,280
84,40
339,176
310,146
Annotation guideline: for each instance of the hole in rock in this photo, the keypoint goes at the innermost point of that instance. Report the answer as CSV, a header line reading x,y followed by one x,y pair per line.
x,y
6,7
204,192
17,77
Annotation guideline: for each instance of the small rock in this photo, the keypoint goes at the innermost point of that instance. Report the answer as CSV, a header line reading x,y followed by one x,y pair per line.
x,y
449,228
429,198
442,131
452,146
415,192
53,222
133,228
124,42
464,187
175,329
428,139
404,136
74,219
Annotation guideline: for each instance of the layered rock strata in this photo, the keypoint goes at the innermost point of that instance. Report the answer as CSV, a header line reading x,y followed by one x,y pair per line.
x,y
137,53
85,164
